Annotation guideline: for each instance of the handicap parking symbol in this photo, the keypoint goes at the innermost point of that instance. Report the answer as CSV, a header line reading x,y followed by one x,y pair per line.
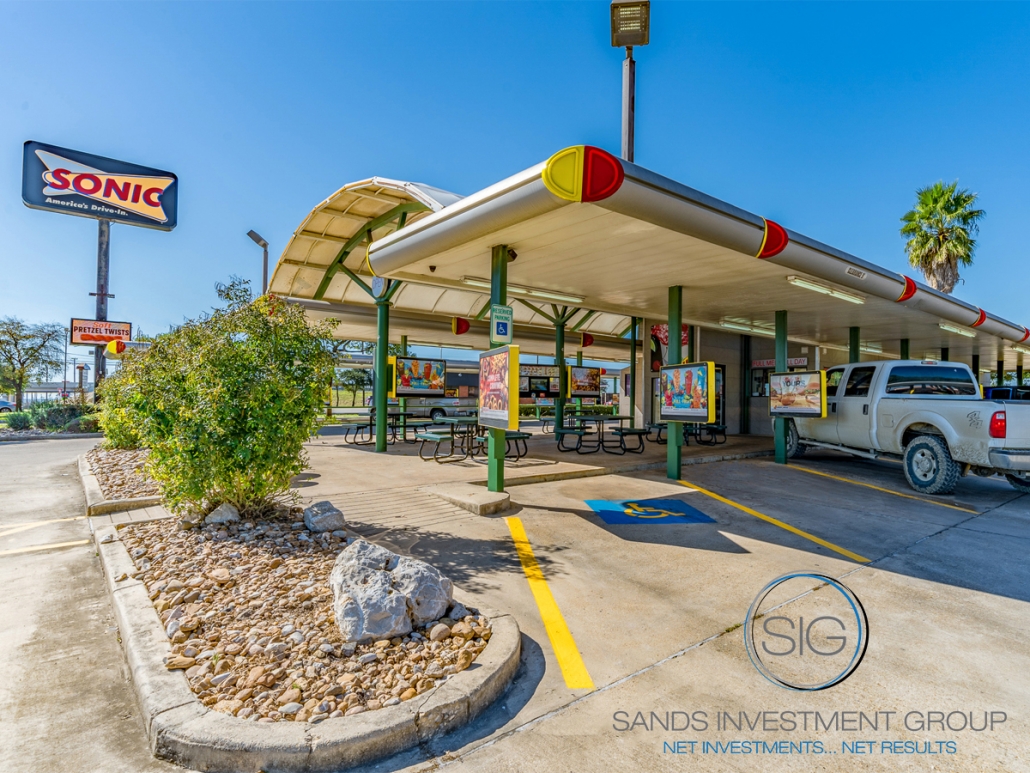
x,y
646,511
502,329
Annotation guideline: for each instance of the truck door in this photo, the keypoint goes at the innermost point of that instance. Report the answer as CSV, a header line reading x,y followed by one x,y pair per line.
x,y
854,422
825,430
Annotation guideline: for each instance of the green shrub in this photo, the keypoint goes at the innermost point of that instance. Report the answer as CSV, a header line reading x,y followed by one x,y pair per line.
x,y
53,415
82,424
116,411
19,421
226,402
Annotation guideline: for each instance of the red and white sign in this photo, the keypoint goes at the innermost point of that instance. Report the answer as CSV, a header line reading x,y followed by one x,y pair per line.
x,y
99,332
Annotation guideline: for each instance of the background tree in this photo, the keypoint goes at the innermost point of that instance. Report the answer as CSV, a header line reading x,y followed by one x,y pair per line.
x,y
27,352
940,230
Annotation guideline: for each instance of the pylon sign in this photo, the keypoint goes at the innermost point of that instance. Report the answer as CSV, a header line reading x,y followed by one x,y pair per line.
x,y
75,183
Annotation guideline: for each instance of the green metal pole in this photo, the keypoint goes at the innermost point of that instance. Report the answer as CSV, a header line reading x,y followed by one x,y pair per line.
x,y
1001,372
674,450
976,368
499,296
404,400
559,360
382,347
904,349
579,364
854,346
633,372
780,424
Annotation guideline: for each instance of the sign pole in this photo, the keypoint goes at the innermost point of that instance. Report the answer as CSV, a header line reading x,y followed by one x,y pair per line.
x,y
103,280
673,449
495,440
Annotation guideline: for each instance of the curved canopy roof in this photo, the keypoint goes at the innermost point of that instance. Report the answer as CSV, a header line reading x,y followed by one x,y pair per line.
x,y
337,233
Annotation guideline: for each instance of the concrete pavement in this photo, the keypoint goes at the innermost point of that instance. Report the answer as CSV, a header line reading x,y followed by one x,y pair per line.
x,y
65,702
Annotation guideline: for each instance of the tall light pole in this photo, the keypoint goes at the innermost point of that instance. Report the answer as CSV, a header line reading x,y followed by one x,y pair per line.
x,y
260,242
631,26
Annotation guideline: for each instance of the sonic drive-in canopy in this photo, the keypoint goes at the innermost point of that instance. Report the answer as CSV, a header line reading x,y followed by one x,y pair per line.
x,y
587,225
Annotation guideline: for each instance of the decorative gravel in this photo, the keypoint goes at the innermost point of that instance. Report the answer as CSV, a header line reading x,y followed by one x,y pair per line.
x,y
122,474
248,610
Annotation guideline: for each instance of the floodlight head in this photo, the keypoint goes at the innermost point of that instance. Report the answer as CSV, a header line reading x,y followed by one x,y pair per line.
x,y
631,23
257,239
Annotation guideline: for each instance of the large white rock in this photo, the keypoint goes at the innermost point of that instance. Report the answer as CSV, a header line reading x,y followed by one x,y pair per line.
x,y
378,594
323,516
224,513
428,592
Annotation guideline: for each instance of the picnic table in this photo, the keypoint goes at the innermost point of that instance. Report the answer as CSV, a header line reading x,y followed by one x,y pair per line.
x,y
606,445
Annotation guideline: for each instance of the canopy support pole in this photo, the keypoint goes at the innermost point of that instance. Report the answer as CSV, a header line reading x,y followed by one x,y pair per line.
x,y
403,401
904,349
633,372
674,450
559,360
1001,372
976,368
854,346
779,423
499,297
381,387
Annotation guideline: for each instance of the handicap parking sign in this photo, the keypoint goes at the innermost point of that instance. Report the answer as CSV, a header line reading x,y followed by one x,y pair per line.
x,y
646,511
501,318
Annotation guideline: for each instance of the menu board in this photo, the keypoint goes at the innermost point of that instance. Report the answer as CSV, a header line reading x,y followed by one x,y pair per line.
x,y
687,392
418,377
584,382
498,388
801,394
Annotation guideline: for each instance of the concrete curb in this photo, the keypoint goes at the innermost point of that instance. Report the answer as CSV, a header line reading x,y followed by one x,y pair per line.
x,y
53,436
181,729
470,497
593,472
95,502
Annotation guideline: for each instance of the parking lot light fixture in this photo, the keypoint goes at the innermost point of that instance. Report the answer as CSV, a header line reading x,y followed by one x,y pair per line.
x,y
808,284
263,244
631,26
532,292
957,330
1021,349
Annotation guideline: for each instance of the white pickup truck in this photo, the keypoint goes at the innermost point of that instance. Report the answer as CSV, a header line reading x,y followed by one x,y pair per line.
x,y
928,414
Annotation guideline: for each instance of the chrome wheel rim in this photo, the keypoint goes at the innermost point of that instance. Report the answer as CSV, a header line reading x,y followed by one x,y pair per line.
x,y
924,465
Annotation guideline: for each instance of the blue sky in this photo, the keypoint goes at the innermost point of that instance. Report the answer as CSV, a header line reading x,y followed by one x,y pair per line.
x,y
824,117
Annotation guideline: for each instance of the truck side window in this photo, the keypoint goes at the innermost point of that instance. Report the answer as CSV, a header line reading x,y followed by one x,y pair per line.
x,y
833,378
859,381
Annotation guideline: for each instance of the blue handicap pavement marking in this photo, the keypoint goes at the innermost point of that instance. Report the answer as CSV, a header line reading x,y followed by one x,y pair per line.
x,y
644,511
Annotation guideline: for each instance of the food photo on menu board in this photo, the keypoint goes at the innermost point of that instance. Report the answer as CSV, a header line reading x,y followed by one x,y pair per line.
x,y
498,383
801,394
584,382
420,377
688,392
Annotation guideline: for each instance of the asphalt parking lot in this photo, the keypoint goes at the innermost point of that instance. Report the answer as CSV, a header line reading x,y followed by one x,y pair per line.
x,y
649,613
630,591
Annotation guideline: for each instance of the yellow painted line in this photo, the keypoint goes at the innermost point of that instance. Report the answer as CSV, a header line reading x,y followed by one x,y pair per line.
x,y
878,488
19,527
564,646
781,524
36,548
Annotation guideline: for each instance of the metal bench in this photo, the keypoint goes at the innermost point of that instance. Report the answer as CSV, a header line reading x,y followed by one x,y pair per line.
x,y
437,438
579,434
710,434
624,432
658,428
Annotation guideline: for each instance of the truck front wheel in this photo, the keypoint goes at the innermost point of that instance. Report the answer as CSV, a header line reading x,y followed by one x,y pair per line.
x,y
1019,482
794,447
929,467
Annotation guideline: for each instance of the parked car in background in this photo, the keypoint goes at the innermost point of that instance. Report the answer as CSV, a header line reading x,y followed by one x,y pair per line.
x,y
6,406
1006,393
928,414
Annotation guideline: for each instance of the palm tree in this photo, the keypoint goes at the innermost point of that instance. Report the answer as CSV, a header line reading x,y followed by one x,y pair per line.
x,y
940,231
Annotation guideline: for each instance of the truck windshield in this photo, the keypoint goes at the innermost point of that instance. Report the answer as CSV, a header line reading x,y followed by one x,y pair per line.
x,y
930,380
